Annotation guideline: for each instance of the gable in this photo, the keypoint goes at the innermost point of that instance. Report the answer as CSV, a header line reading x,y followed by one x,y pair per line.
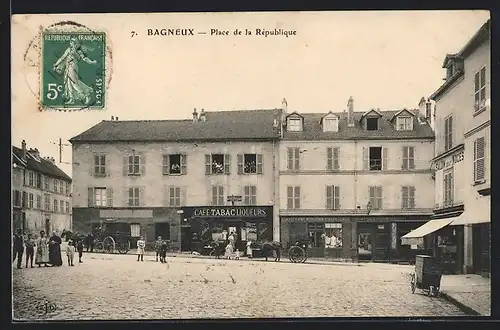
x,y
371,113
403,113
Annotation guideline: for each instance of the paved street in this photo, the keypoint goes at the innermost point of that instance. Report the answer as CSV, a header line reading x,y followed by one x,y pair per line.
x,y
119,287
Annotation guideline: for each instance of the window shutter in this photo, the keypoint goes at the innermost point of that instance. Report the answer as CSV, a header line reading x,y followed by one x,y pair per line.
x,y
90,196
182,195
240,163
371,193
297,158
142,200
404,164
379,198
412,197
166,165
260,164
290,158
411,157
336,158
215,190
171,196
221,195
297,197
479,145
94,169
125,165
289,195
183,164
246,194
208,164
166,201
336,197
404,197
142,163
109,194
366,159
329,159
329,197
227,163
384,158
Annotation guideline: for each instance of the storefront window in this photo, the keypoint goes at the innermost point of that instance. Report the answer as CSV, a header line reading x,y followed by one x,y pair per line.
x,y
217,232
262,234
316,234
250,231
205,231
333,235
447,245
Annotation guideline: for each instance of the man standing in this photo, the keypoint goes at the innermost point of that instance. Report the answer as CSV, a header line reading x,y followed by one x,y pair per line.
x,y
158,247
18,247
141,244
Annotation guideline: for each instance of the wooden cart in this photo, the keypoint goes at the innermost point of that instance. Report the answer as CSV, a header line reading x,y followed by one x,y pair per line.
x,y
427,275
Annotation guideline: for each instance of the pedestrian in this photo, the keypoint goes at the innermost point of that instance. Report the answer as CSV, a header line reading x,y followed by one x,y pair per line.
x,y
79,248
141,244
163,251
70,252
30,250
18,247
55,258
42,250
249,249
89,242
158,244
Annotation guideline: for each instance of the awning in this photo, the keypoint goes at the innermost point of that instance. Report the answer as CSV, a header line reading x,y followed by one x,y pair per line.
x,y
416,236
476,213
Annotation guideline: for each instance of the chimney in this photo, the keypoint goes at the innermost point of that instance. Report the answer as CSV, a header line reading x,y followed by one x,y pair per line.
x,y
421,107
284,106
112,118
23,147
428,111
350,112
116,118
203,115
195,115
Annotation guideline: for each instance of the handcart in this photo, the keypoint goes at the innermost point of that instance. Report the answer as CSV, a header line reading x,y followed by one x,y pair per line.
x,y
427,275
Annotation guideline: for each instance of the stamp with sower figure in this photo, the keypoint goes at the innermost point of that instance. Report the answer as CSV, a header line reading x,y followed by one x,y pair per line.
x,y
73,70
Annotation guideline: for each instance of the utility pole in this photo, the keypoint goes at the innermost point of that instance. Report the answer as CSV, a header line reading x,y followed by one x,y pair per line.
x,y
60,146
60,150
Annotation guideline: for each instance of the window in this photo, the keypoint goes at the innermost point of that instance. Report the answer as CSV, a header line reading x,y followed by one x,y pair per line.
x,y
479,160
404,123
56,184
372,124
39,181
46,198
449,71
174,164
408,198
448,188
330,125
67,188
332,159
17,198
332,197
293,197
333,235
428,110
61,187
99,165
376,198
100,197
174,196
25,199
133,197
480,89
134,165
61,206
408,158
293,159
135,230
30,201
218,195
375,158
250,164
46,183
448,136
31,176
250,195
316,232
67,207
294,125
56,205
38,202
217,164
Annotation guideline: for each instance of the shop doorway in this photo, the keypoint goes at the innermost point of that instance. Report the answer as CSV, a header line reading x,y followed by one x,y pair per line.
x,y
365,246
382,243
162,229
185,238
476,250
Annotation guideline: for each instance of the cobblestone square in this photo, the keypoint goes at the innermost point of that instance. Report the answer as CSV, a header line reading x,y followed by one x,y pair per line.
x,y
120,287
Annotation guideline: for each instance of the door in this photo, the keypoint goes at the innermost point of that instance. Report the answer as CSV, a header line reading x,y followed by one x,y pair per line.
x,y
185,238
476,249
365,241
23,215
47,227
162,229
382,243
235,229
486,248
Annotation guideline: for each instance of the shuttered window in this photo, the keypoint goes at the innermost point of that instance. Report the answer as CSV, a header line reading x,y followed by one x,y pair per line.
x,y
218,195
134,196
479,163
408,158
293,197
376,198
250,195
408,197
480,89
332,197
448,189
332,159
293,159
448,133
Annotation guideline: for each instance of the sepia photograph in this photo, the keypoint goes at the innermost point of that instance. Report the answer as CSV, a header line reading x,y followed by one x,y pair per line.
x,y
251,165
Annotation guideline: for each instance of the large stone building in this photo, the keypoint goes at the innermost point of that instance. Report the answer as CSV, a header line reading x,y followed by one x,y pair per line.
x,y
352,183
462,155
177,178
41,193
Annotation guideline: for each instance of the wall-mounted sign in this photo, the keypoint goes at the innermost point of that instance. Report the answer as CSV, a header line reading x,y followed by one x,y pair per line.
x,y
212,212
449,161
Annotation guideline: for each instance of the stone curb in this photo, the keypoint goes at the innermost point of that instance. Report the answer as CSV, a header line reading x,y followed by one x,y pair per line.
x,y
464,308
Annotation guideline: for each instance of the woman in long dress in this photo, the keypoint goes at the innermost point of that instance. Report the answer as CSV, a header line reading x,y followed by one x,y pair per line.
x,y
67,65
55,258
42,250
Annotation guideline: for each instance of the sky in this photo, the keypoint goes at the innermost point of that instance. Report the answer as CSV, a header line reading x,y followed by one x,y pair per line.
x,y
385,60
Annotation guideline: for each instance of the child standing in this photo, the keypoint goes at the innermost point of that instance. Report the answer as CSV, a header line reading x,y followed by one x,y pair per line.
x,y
141,244
163,252
79,248
30,250
70,252
158,244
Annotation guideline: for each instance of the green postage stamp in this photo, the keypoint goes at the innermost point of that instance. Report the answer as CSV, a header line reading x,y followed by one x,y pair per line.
x,y
73,70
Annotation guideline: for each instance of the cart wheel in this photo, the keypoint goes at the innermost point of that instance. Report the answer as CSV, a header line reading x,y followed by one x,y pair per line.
x,y
211,254
413,283
436,291
431,291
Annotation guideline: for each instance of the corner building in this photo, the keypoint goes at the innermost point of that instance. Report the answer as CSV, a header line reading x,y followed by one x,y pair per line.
x,y
185,180
352,183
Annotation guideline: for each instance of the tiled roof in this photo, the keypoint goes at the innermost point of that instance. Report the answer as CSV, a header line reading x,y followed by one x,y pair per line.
x,y
44,166
219,125
312,129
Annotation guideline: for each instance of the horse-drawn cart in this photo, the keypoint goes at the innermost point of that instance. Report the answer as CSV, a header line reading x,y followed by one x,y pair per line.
x,y
298,252
117,242
427,275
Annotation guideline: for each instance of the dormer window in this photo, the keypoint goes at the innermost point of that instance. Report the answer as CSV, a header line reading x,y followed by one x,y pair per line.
x,y
372,124
294,122
330,125
404,123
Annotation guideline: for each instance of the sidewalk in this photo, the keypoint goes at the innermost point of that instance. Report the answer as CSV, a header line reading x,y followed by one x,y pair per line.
x,y
470,292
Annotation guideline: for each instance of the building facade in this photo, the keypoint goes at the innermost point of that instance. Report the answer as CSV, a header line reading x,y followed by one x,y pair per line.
x,y
462,154
41,193
185,180
352,183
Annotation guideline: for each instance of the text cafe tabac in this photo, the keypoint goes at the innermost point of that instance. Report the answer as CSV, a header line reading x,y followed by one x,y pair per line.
x,y
212,212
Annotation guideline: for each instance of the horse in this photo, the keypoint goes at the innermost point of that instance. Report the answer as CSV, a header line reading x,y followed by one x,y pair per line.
x,y
269,247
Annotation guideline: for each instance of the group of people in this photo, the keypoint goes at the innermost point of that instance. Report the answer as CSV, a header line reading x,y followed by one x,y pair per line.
x,y
48,250
161,247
